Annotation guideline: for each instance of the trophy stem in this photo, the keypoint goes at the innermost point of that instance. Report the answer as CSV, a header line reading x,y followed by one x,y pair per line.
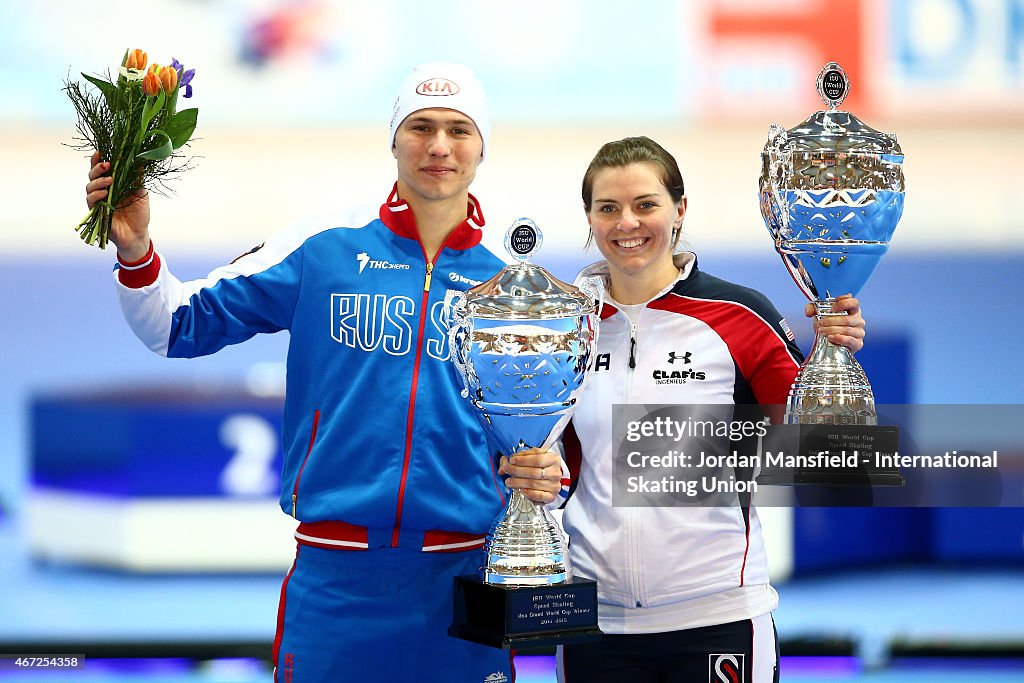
x,y
831,387
524,547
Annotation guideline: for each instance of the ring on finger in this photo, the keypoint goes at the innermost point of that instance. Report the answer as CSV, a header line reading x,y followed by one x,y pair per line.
x,y
542,472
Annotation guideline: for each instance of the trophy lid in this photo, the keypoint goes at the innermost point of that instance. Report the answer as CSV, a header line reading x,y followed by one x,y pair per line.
x,y
833,130
522,290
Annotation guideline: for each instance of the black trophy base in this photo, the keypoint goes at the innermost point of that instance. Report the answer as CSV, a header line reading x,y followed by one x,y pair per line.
x,y
524,616
829,455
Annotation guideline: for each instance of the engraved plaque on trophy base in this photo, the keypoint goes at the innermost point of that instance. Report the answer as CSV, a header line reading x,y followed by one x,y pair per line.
x,y
840,455
505,616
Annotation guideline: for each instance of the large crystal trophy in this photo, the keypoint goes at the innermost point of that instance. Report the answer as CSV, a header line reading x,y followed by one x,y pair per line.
x,y
522,343
831,192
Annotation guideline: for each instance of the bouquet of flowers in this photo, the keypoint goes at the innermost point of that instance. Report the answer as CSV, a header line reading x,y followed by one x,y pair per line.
x,y
134,124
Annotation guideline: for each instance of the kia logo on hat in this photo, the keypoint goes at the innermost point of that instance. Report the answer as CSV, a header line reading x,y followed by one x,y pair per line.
x,y
433,87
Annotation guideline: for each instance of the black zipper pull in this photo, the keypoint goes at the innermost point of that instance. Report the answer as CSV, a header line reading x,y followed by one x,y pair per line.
x,y
632,352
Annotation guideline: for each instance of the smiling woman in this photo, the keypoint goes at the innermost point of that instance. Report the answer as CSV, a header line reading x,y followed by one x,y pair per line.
x,y
634,199
681,590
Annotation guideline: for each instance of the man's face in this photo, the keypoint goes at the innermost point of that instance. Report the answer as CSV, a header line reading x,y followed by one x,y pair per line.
x,y
438,151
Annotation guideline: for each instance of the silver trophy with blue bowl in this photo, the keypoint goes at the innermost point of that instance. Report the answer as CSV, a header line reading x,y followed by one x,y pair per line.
x,y
831,194
522,343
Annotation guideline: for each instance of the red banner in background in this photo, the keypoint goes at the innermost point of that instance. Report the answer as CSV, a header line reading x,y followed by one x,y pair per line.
x,y
762,54
930,60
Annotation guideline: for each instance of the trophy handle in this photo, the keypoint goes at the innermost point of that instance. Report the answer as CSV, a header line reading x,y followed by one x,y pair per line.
x,y
458,324
780,163
593,286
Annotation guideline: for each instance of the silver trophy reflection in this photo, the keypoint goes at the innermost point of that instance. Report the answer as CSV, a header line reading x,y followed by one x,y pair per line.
x,y
831,194
522,343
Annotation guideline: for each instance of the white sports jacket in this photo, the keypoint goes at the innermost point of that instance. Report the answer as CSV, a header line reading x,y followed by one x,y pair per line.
x,y
670,568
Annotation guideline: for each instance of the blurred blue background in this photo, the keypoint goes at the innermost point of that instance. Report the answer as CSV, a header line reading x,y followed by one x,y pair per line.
x,y
294,100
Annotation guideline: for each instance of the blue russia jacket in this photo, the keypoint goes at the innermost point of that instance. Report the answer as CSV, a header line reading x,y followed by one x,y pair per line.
x,y
376,437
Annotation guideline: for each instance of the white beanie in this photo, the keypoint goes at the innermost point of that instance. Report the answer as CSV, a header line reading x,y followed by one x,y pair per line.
x,y
443,85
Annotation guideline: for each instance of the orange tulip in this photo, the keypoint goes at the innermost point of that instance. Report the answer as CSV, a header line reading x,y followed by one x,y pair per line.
x,y
168,79
136,60
151,84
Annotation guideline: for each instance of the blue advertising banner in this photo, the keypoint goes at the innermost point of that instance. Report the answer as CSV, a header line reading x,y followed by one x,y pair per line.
x,y
157,444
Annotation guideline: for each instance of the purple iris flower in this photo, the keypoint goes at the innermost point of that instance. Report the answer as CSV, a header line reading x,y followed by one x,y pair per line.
x,y
184,77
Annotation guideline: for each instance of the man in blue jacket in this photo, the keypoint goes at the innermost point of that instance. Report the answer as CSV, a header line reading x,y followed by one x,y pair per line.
x,y
385,468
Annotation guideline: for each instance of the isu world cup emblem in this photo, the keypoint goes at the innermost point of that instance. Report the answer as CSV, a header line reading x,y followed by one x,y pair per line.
x,y
726,668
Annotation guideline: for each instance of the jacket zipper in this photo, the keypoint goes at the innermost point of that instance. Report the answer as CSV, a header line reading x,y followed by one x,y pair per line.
x,y
424,303
632,349
632,356
634,529
309,451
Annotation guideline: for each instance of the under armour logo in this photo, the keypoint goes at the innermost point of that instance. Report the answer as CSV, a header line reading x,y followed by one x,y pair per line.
x,y
673,357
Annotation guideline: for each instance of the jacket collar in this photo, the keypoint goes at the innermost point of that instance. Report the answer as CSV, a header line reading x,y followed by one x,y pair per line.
x,y
397,215
686,261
